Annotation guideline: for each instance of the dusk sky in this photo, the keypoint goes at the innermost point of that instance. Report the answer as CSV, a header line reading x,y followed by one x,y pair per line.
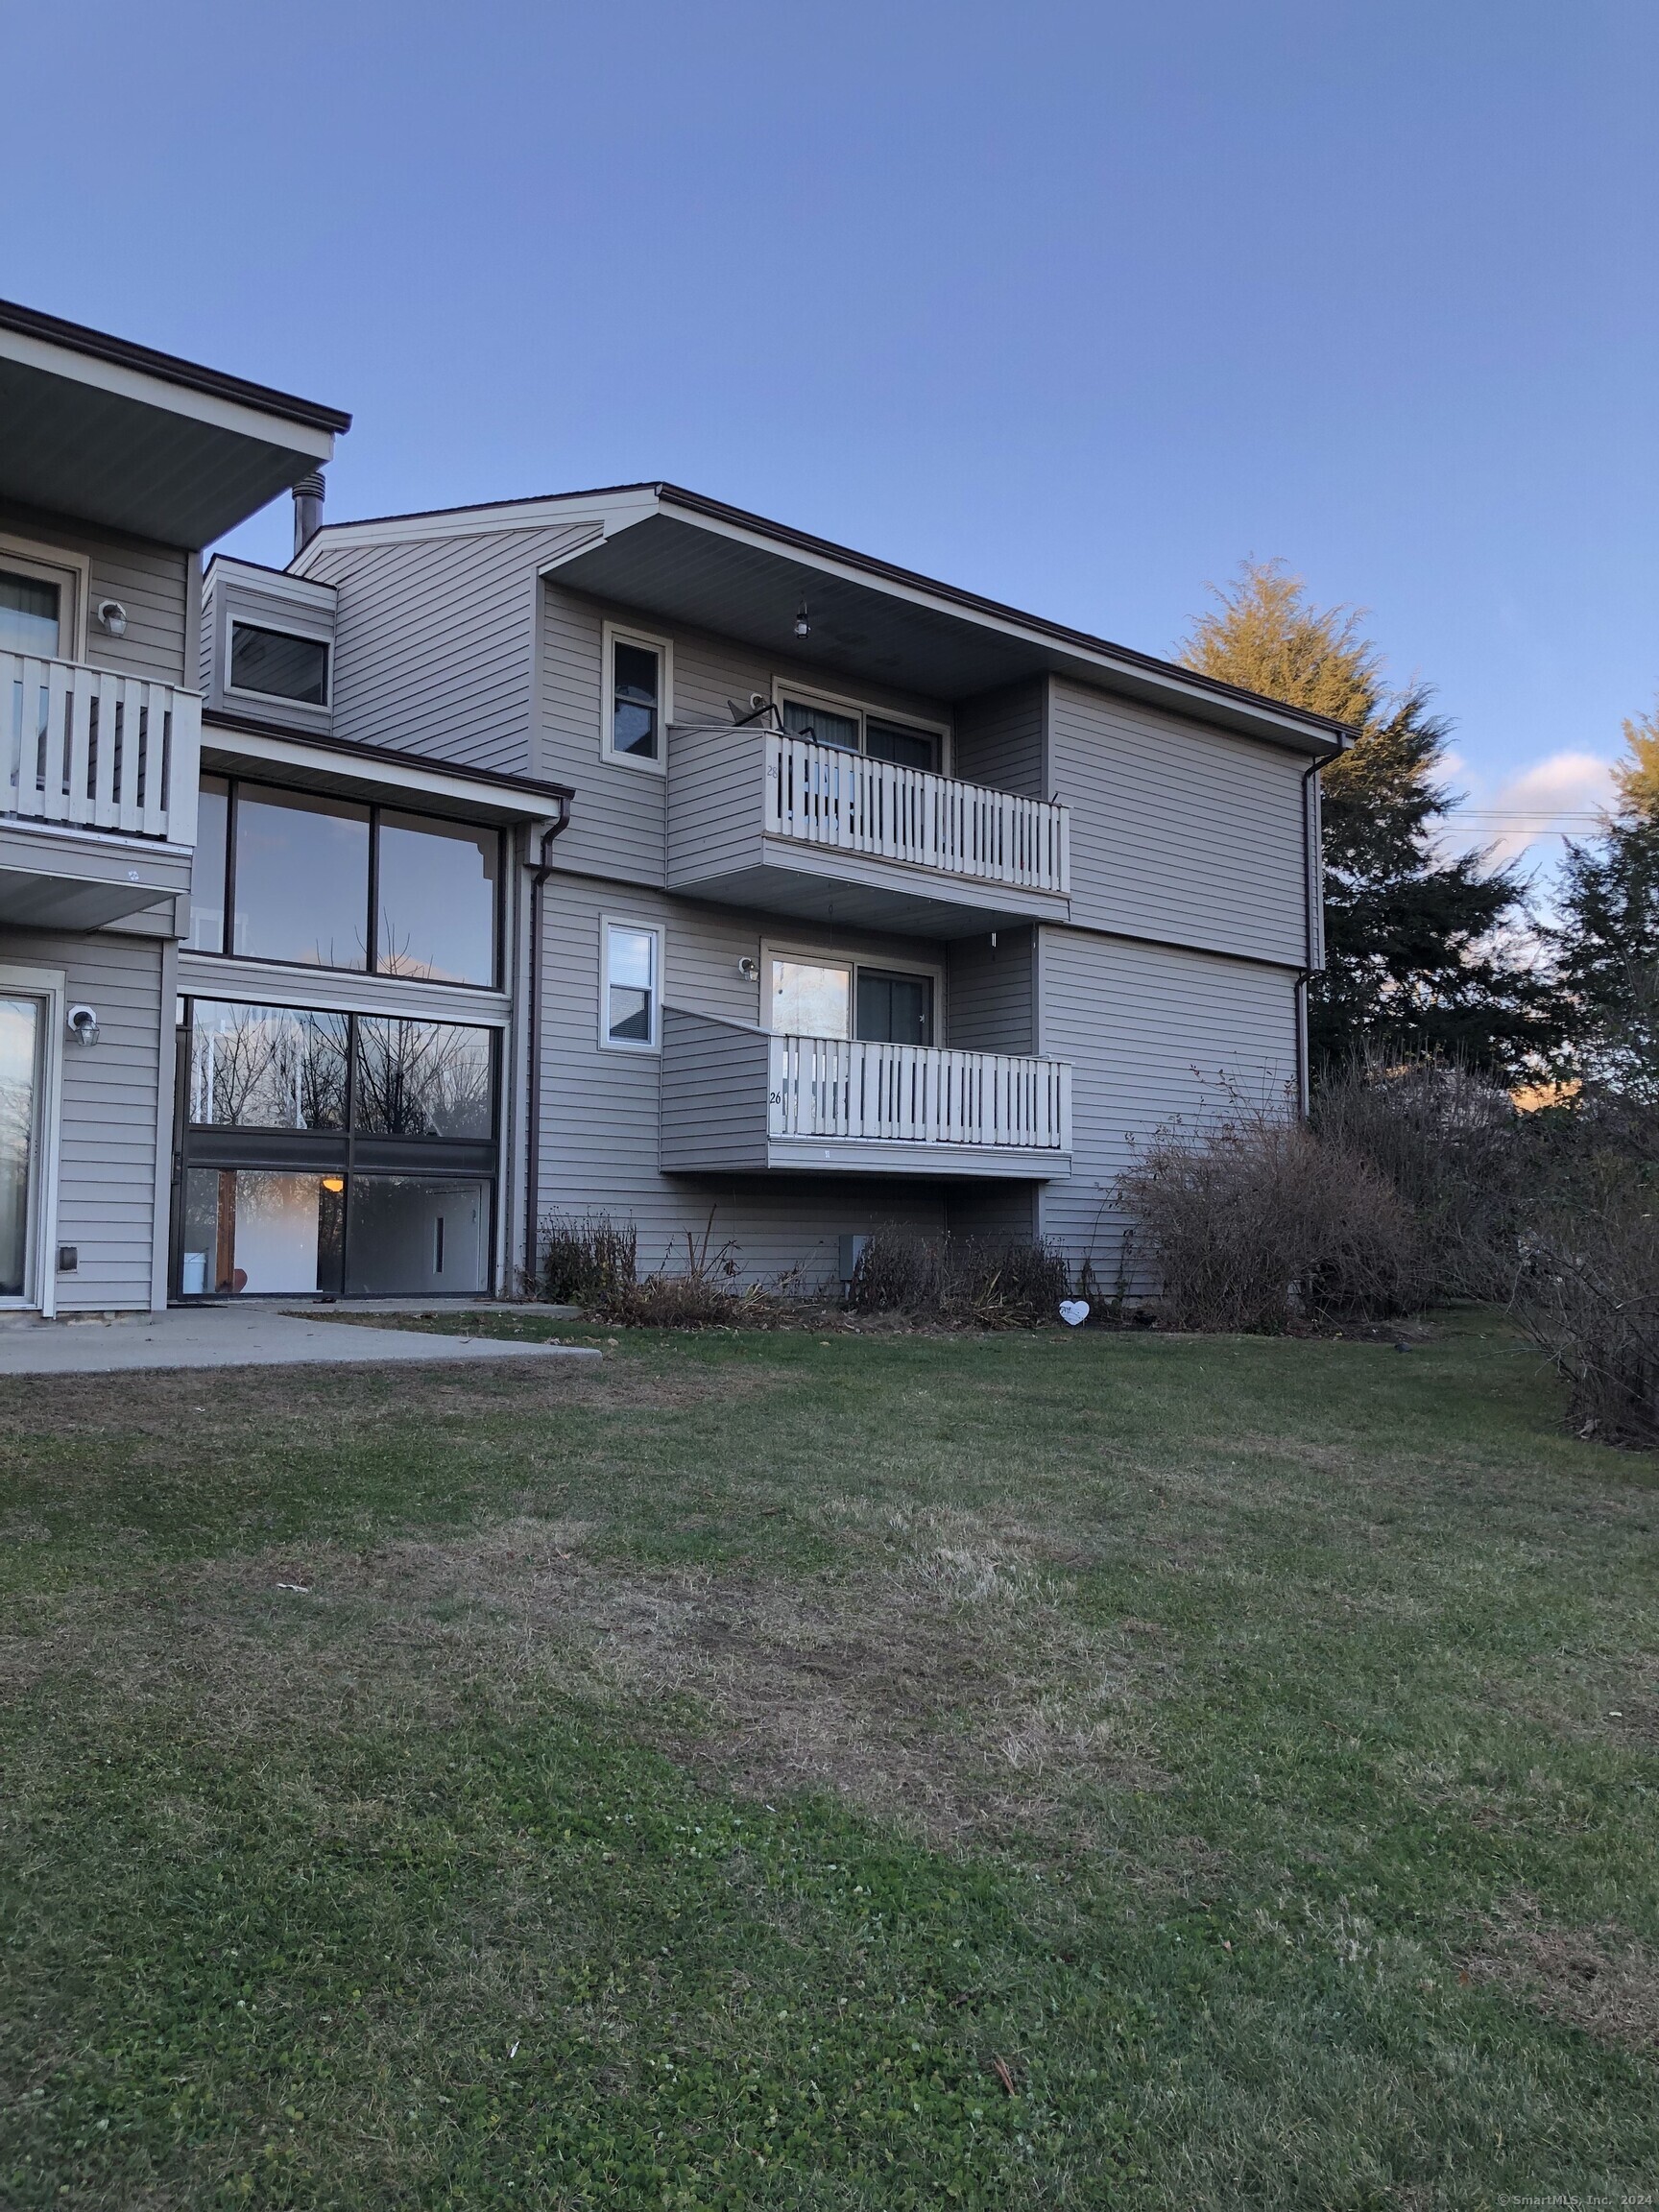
x,y
1075,305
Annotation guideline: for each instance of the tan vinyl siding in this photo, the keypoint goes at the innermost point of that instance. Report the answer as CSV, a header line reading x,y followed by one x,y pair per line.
x,y
993,993
436,640
1000,740
152,582
106,1134
618,825
599,1130
1152,1032
1179,831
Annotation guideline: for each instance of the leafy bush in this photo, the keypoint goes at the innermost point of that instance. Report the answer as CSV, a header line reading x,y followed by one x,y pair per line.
x,y
1588,1295
1006,1280
1253,1220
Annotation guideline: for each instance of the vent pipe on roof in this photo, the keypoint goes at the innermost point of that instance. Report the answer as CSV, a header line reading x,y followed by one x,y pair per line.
x,y
308,510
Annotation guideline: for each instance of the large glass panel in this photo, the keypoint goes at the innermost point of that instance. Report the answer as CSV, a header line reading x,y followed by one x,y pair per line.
x,y
247,1230
637,676
631,986
838,730
30,609
266,1067
19,1062
283,667
301,878
423,1079
207,870
894,1009
437,893
417,1236
810,998
892,741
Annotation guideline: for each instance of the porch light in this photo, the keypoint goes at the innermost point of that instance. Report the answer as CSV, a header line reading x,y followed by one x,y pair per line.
x,y
803,627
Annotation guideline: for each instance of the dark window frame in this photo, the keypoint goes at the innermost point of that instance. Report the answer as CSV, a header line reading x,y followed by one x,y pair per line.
x,y
323,645
348,1151
224,950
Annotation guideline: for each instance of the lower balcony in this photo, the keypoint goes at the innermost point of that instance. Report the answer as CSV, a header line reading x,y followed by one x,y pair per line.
x,y
98,780
737,1100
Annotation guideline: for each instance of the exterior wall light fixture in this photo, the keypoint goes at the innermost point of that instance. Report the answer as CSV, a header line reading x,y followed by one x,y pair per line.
x,y
112,617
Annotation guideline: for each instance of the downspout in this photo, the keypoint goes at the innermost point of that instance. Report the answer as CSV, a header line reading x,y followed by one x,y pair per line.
x,y
1310,875
538,875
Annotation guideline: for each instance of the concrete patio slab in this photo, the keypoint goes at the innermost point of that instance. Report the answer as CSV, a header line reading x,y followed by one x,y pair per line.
x,y
243,1336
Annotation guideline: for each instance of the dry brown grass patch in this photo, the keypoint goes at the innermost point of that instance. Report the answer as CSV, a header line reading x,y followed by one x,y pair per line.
x,y
1601,1980
946,1685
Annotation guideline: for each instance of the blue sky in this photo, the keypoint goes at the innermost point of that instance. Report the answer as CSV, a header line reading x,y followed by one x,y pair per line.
x,y
1071,304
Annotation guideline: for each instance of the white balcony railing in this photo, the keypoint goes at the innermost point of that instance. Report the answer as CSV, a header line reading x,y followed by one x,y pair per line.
x,y
856,804
824,1087
92,748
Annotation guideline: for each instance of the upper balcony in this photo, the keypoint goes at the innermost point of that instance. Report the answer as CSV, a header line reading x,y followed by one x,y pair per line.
x,y
98,779
762,818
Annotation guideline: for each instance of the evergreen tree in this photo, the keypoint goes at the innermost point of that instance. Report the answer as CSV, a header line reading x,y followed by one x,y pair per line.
x,y
1417,960
1607,936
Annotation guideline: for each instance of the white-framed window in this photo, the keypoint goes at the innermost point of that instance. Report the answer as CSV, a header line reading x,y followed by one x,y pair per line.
x,y
850,727
42,600
637,698
265,662
630,985
808,992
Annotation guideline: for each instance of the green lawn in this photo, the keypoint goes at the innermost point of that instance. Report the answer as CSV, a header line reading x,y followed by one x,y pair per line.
x,y
1071,1771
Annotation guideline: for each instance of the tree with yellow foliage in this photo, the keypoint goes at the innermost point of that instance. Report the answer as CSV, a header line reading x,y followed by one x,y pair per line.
x,y
1415,960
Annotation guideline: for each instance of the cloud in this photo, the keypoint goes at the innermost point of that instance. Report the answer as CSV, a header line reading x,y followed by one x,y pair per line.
x,y
1528,811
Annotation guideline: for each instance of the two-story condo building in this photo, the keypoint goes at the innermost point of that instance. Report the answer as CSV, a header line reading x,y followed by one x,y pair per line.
x,y
621,851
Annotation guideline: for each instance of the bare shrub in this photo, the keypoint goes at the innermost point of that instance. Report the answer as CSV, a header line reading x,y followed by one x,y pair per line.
x,y
586,1259
994,1281
1588,1295
592,1261
1452,1146
1252,1222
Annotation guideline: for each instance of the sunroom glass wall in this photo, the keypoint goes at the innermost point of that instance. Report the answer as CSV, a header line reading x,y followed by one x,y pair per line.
x,y
327,1150
286,876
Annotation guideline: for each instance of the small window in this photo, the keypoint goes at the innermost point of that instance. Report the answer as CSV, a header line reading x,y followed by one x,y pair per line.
x,y
637,682
631,966
279,665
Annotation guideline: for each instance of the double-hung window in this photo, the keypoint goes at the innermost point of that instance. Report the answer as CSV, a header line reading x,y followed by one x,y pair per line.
x,y
637,698
630,987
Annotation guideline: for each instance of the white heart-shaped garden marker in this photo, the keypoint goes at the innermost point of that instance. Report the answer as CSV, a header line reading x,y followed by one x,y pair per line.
x,y
1073,1311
